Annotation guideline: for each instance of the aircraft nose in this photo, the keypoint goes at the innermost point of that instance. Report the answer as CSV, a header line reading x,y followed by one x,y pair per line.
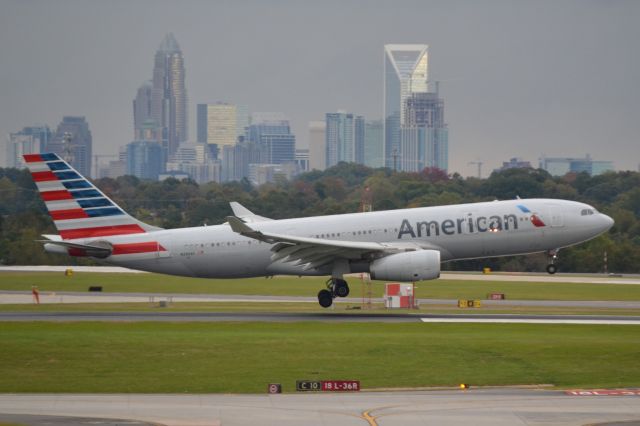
x,y
607,222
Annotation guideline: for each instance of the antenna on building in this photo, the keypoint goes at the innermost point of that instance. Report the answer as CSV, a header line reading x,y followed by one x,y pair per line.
x,y
479,164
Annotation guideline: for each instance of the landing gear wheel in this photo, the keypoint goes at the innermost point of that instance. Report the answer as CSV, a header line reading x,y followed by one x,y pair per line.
x,y
553,256
340,287
325,298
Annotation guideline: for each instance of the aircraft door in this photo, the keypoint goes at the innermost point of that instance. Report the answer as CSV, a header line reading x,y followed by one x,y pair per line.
x,y
555,215
162,250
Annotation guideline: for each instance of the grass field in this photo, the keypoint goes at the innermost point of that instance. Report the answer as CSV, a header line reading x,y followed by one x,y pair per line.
x,y
244,357
303,307
293,286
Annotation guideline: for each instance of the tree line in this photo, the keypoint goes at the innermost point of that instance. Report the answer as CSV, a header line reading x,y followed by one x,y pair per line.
x,y
342,189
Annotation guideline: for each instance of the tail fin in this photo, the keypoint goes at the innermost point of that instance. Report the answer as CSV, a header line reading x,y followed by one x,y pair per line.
x,y
77,207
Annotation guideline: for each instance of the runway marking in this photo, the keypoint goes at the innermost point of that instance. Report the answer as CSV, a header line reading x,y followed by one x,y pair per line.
x,y
533,321
369,418
603,392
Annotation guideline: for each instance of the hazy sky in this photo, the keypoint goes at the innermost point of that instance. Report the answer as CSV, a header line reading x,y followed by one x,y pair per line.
x,y
519,78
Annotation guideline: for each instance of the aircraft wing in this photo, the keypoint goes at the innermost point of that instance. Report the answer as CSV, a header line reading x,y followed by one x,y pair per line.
x,y
317,252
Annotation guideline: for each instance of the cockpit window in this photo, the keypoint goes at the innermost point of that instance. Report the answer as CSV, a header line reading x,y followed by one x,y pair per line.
x,y
587,212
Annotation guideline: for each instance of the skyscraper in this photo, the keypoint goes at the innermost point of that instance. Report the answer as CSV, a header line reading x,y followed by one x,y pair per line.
x,y
221,124
30,140
272,132
317,145
73,142
374,144
217,124
169,94
142,110
358,139
424,136
279,149
405,73
237,158
344,138
145,159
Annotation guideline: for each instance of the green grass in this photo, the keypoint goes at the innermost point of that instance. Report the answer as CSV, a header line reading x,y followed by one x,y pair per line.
x,y
294,286
244,357
313,307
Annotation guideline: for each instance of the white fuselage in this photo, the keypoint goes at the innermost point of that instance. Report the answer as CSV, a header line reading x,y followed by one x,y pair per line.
x,y
462,231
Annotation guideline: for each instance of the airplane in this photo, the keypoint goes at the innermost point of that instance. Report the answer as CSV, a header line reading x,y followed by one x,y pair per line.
x,y
406,245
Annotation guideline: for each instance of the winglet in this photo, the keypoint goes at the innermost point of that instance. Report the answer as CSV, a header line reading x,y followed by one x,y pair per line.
x,y
240,210
245,214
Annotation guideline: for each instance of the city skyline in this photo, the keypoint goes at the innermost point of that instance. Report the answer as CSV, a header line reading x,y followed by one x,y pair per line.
x,y
520,80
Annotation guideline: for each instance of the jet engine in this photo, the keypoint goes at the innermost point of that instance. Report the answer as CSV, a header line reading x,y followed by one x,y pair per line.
x,y
408,266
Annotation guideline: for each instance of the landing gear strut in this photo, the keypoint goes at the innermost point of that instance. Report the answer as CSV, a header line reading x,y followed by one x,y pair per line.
x,y
552,268
336,287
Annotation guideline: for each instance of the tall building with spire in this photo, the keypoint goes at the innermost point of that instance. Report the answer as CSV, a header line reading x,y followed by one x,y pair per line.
x,y
169,95
405,73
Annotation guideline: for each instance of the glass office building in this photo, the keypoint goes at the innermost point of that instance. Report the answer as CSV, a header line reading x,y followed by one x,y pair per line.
x,y
169,102
405,73
344,138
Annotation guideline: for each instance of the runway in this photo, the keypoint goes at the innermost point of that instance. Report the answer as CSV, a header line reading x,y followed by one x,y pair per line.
x,y
633,279
313,317
492,406
25,297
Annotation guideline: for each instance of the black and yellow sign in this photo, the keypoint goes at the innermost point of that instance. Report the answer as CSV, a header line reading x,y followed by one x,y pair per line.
x,y
468,303
308,386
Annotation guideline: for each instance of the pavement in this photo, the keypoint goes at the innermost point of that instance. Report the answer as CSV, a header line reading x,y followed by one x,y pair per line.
x,y
453,275
323,317
25,297
476,406
492,406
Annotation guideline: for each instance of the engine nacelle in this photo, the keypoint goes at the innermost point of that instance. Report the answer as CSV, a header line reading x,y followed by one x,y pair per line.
x,y
408,266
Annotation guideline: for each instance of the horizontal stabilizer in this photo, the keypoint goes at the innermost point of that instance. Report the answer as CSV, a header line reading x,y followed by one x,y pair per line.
x,y
100,250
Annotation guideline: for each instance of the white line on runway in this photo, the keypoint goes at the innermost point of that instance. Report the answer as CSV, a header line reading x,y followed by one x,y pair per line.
x,y
532,321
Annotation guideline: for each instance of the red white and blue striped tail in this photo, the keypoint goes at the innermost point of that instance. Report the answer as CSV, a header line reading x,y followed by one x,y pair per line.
x,y
77,207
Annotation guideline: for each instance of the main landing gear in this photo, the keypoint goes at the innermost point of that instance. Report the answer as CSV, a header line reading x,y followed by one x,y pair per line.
x,y
336,287
552,268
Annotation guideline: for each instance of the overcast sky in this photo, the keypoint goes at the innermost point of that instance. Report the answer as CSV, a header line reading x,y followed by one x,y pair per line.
x,y
519,78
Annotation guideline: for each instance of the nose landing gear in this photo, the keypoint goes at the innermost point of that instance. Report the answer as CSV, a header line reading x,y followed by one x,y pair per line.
x,y
336,287
552,268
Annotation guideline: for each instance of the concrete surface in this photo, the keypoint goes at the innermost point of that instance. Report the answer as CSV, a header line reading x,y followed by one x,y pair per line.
x,y
501,406
323,316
